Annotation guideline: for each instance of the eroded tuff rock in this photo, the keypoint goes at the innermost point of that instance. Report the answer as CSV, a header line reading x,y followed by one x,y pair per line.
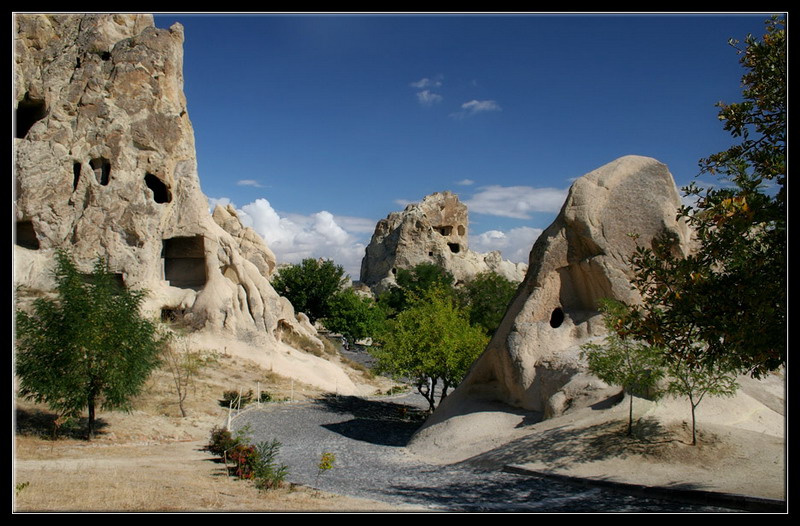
x,y
533,361
434,230
105,165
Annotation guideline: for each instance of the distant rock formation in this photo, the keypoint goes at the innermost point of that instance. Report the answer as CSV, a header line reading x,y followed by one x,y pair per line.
x,y
105,165
432,231
533,360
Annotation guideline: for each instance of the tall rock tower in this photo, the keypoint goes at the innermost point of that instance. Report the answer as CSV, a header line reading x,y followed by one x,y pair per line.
x,y
105,166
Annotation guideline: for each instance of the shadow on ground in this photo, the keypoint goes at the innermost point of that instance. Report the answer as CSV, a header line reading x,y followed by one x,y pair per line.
x,y
375,421
46,424
563,445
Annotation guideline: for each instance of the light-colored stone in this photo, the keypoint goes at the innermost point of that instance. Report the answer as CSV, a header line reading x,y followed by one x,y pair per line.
x,y
533,362
434,230
105,166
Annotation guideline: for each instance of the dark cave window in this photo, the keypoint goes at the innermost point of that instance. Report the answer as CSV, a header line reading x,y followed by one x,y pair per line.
x,y
556,318
102,170
455,248
161,193
76,174
29,112
185,262
26,235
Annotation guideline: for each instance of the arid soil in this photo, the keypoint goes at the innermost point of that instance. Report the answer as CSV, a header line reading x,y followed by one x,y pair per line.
x,y
152,459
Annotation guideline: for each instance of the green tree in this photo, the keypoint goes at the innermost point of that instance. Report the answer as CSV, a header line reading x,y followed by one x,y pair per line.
x,y
310,285
633,365
487,296
696,380
430,342
415,281
354,317
88,348
737,278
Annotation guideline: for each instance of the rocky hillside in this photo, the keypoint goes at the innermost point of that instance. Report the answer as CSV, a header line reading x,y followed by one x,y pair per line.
x,y
105,166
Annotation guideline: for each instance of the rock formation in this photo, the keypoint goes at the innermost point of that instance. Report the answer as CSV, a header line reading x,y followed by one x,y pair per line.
x,y
105,165
432,231
533,361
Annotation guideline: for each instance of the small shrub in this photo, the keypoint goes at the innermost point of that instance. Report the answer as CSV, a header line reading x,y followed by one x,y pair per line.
x,y
236,399
221,442
266,472
244,458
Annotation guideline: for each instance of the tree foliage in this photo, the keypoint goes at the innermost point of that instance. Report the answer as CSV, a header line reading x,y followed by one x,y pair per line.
x,y
724,306
310,285
633,365
430,342
353,316
415,281
487,297
88,348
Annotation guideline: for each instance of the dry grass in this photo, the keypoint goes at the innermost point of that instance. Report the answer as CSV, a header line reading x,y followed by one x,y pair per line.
x,y
151,459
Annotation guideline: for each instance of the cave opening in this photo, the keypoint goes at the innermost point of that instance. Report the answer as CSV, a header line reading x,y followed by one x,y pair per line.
x,y
102,169
455,248
26,235
161,193
556,318
184,262
29,112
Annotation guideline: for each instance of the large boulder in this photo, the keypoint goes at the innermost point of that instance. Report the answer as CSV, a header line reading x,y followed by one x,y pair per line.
x,y
105,166
434,230
533,361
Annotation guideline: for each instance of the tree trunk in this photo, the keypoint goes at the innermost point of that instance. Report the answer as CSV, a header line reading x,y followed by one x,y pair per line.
x,y
694,426
630,415
91,418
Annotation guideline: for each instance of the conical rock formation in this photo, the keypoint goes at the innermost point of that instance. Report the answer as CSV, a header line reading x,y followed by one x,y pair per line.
x,y
533,361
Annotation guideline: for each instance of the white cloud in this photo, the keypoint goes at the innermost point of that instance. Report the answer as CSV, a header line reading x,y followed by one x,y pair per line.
x,y
476,106
427,83
516,201
515,244
249,182
465,182
294,237
428,98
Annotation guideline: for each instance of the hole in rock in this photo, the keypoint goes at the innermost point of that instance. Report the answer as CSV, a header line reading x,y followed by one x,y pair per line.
x,y
76,174
556,318
26,235
171,315
161,193
184,261
461,230
444,230
455,248
29,112
102,169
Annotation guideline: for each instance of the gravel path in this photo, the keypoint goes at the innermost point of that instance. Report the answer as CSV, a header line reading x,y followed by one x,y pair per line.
x,y
368,438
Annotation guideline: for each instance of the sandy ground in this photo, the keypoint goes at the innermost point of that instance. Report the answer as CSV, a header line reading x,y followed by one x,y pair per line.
x,y
740,450
152,459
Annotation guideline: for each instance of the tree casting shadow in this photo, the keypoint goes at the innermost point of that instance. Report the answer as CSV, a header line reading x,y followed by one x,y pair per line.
x,y
375,421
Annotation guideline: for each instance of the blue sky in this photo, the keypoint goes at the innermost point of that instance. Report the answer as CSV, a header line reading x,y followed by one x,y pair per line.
x,y
317,126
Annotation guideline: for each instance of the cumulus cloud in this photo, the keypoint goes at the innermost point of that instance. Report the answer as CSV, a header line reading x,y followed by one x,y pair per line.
x,y
428,98
476,106
427,83
518,202
294,237
515,244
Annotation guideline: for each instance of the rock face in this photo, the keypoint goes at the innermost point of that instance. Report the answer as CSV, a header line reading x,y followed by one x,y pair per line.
x,y
432,231
533,360
105,166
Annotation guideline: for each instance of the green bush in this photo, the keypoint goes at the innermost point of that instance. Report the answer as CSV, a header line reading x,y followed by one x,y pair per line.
x,y
235,398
